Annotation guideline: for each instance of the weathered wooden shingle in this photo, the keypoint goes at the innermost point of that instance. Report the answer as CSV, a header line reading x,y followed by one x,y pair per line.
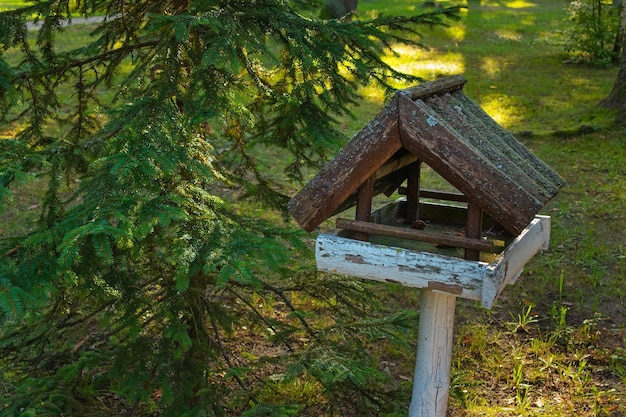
x,y
437,124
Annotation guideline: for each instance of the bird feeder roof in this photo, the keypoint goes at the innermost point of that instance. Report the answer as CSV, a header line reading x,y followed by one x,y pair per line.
x,y
437,124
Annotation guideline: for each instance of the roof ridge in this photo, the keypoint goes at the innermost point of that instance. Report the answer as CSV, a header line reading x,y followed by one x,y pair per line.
x,y
436,87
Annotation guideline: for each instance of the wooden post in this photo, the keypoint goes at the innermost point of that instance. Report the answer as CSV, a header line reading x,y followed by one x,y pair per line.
x,y
473,228
413,192
431,383
364,205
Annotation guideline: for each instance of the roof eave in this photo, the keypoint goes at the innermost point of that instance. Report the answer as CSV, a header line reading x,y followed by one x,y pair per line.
x,y
368,150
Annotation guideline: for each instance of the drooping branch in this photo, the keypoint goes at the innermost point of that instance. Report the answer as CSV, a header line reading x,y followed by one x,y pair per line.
x,y
72,64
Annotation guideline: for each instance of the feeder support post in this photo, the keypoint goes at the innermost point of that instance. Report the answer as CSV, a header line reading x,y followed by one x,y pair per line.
x,y
413,192
431,383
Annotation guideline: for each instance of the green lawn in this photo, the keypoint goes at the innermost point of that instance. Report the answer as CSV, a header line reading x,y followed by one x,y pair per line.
x,y
11,4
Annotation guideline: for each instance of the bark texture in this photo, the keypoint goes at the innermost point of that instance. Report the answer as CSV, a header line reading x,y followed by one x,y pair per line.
x,y
617,97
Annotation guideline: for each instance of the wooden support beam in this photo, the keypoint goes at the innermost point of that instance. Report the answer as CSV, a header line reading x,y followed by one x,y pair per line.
x,y
474,229
364,206
413,192
437,195
395,165
411,234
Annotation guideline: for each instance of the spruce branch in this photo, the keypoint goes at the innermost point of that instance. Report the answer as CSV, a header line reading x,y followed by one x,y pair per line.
x,y
260,316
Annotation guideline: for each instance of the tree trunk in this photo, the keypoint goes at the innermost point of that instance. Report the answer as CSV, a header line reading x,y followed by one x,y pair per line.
x,y
621,28
336,9
617,97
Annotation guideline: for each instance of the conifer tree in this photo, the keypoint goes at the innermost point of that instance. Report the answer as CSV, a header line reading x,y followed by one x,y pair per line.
x,y
146,286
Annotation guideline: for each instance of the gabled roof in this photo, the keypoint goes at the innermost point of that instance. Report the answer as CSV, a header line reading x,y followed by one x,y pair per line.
x,y
437,124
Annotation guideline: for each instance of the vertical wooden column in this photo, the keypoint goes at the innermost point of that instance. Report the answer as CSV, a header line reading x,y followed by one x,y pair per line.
x,y
474,228
431,382
413,192
364,205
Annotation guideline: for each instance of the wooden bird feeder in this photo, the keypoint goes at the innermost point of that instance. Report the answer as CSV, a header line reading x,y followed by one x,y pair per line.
x,y
470,243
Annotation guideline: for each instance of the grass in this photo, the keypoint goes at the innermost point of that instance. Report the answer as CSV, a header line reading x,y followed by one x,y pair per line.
x,y
554,344
513,58
11,4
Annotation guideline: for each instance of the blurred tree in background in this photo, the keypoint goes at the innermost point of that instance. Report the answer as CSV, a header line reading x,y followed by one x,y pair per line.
x,y
617,97
335,9
591,36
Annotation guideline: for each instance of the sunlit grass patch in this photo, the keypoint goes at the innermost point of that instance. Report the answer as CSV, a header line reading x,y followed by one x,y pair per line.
x,y
519,4
456,32
494,66
12,4
428,64
508,35
512,4
504,109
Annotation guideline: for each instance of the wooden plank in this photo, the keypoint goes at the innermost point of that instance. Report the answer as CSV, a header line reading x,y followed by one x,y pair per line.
x,y
412,234
389,213
429,212
386,185
390,264
510,264
369,150
437,195
440,86
395,164
426,135
442,195
443,213
388,178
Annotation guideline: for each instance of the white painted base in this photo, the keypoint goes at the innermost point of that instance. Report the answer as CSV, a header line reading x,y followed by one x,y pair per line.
x,y
459,277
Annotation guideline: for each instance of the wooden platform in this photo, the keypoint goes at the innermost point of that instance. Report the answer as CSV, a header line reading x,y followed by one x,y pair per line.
x,y
422,264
